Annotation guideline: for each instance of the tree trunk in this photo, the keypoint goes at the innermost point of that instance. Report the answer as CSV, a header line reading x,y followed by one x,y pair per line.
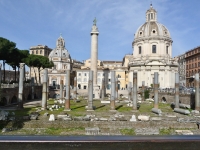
x,y
39,75
15,73
35,75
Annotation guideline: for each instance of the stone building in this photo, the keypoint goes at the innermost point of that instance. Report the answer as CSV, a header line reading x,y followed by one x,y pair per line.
x,y
192,58
62,62
42,50
152,52
103,72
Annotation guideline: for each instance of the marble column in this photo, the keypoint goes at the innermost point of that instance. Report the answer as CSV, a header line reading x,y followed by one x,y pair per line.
x,y
21,86
143,86
113,91
134,91
90,91
94,58
0,73
116,88
102,89
67,100
75,89
32,88
176,90
44,90
61,89
197,101
129,91
156,90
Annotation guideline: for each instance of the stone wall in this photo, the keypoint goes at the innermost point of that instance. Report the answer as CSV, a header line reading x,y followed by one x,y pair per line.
x,y
108,124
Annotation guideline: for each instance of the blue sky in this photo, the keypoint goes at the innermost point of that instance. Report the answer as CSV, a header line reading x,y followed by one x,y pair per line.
x,y
32,22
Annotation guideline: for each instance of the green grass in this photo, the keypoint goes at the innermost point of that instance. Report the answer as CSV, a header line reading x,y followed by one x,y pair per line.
x,y
146,107
127,131
124,109
165,131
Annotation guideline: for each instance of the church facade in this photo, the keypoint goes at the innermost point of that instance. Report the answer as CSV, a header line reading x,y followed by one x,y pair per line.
x,y
152,52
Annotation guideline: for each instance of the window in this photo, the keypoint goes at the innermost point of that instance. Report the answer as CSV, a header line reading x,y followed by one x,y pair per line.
x,y
79,74
148,16
84,87
40,51
79,79
154,31
85,74
36,52
118,76
32,52
85,79
98,74
140,49
167,49
151,15
153,48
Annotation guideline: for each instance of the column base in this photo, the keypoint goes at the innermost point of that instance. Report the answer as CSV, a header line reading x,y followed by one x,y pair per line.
x,y
114,110
96,92
134,111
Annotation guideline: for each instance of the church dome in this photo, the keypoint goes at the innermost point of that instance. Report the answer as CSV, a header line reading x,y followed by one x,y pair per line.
x,y
60,51
151,29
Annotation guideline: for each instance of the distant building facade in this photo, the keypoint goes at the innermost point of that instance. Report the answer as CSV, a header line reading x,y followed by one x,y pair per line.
x,y
42,50
192,58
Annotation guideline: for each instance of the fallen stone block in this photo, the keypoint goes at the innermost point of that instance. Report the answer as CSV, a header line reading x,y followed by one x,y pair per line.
x,y
52,117
105,102
184,132
133,118
103,119
182,111
195,111
92,131
143,118
78,118
155,118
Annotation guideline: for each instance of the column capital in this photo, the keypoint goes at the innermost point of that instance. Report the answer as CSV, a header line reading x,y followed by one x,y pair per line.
x,y
22,65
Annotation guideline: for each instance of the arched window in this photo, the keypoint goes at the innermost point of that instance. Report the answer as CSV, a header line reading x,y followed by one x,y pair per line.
x,y
153,48
140,49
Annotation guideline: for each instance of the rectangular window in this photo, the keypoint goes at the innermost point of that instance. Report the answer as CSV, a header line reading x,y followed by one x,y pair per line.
x,y
79,74
153,48
148,16
167,49
140,49
151,15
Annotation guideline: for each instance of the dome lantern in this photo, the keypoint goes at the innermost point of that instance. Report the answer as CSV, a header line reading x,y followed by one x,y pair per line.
x,y
151,14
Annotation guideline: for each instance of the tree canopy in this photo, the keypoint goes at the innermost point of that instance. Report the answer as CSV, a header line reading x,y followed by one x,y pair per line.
x,y
38,61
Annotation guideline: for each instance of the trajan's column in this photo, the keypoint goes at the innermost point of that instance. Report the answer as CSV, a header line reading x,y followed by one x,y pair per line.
x,y
94,57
